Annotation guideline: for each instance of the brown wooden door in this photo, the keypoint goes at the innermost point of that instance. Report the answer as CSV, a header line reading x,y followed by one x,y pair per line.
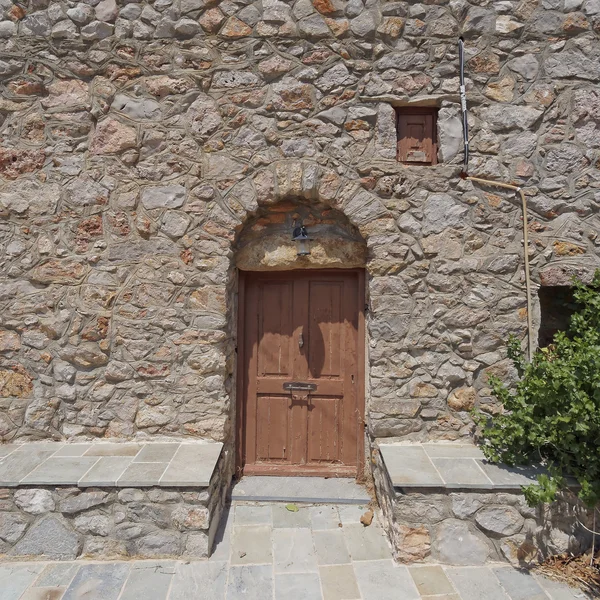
x,y
301,327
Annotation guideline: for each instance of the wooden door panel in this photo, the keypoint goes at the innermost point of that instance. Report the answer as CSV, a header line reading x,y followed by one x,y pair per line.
x,y
324,430
326,328
273,428
275,328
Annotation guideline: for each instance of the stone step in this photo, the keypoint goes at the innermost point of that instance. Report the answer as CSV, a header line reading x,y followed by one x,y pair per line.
x,y
309,490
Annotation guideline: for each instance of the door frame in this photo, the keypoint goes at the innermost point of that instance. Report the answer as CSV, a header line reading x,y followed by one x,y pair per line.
x,y
240,413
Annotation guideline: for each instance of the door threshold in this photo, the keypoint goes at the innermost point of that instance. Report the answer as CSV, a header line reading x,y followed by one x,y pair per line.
x,y
303,490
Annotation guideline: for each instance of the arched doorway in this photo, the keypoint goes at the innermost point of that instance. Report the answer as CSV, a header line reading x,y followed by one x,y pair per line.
x,y
301,380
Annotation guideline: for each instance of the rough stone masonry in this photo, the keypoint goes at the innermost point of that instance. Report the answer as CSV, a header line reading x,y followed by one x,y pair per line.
x,y
145,144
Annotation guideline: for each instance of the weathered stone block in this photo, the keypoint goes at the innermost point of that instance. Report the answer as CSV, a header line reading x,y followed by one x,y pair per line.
x,y
50,538
12,526
499,520
83,501
455,543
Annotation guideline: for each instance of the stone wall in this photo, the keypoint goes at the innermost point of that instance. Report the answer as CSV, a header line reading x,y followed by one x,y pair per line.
x,y
468,526
64,523
138,138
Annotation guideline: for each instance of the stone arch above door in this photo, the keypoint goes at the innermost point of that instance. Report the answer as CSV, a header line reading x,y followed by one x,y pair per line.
x,y
310,181
265,242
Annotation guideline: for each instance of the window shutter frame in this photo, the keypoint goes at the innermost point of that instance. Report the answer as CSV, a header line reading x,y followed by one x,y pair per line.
x,y
407,116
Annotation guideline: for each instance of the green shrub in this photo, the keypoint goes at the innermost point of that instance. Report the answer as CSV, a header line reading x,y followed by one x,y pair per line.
x,y
553,412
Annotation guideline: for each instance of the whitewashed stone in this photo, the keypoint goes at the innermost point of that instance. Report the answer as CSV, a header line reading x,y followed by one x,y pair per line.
x,y
171,196
34,501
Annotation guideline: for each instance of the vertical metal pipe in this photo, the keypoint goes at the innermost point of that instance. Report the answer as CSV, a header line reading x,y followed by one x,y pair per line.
x,y
463,104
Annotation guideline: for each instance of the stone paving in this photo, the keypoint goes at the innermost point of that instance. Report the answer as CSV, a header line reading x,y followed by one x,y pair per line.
x,y
451,466
269,552
107,464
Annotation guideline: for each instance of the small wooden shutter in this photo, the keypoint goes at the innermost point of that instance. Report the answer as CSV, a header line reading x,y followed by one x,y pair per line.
x,y
417,142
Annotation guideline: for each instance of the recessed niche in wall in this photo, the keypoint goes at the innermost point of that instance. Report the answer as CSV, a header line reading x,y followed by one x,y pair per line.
x,y
417,135
556,307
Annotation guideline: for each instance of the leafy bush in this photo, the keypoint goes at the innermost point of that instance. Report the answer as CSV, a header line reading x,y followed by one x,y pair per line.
x,y
553,413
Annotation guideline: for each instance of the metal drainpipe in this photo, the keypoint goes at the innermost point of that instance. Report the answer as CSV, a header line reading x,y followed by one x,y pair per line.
x,y
525,254
508,186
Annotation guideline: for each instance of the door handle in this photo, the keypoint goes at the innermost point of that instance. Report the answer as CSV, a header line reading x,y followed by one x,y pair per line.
x,y
301,340
300,398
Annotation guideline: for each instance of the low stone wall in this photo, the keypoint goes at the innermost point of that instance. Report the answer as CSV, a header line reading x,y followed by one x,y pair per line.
x,y
64,523
469,527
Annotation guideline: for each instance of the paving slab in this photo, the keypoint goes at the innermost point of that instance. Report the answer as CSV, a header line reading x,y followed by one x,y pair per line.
x,y
324,517
98,582
63,470
505,477
383,580
518,585
16,578
282,517
453,451
192,465
350,515
201,580
222,542
431,580
250,582
17,465
36,446
251,544
336,490
60,574
106,472
6,449
113,449
560,591
366,543
249,514
73,450
141,475
148,580
461,473
48,593
330,546
409,466
476,583
157,452
338,582
297,586
293,551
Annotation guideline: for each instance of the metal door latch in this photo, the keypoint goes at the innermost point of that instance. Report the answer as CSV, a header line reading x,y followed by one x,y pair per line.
x,y
300,386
